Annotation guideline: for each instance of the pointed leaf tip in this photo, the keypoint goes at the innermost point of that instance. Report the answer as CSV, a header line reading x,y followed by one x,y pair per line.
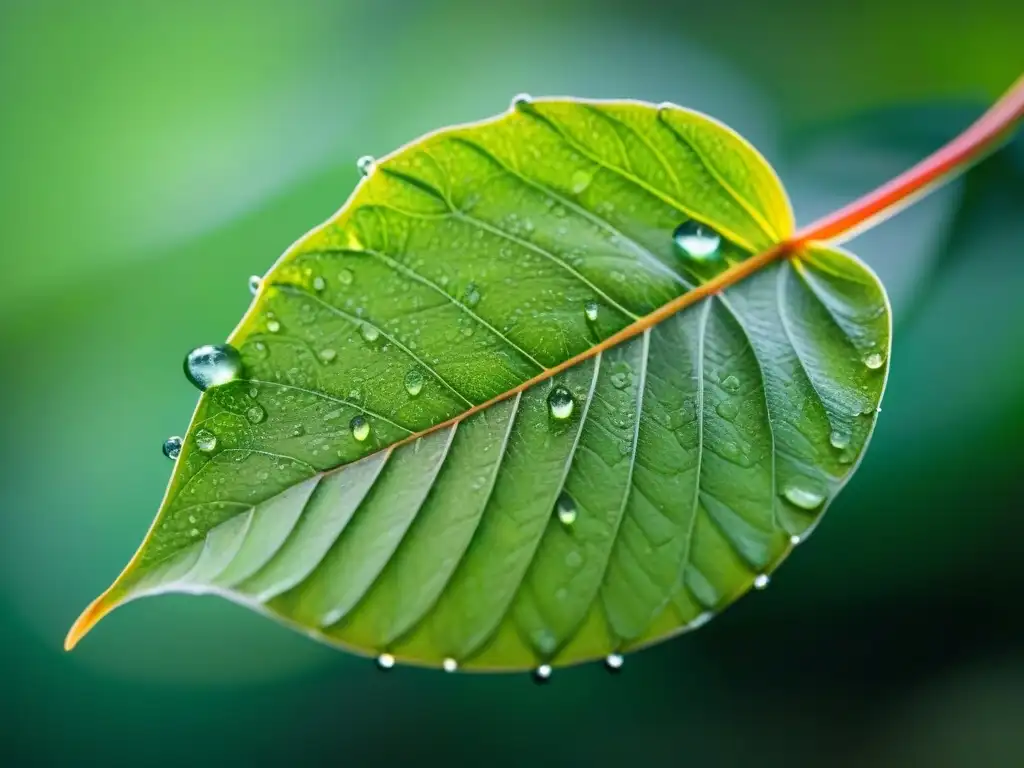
x,y
89,618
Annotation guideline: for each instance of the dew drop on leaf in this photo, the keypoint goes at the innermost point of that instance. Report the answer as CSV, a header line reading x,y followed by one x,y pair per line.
x,y
385,661
254,284
172,447
730,383
414,382
319,283
727,409
345,277
206,441
255,413
328,355
839,440
542,674
590,310
874,361
360,428
761,581
697,241
795,539
273,326
803,494
560,403
472,295
580,181
366,164
613,662
565,509
212,365
369,332
521,99
450,664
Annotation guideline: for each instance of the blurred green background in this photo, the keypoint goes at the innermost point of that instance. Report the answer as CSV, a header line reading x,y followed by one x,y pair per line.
x,y
154,154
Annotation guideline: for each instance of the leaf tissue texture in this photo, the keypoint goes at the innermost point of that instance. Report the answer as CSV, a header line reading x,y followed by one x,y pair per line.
x,y
435,449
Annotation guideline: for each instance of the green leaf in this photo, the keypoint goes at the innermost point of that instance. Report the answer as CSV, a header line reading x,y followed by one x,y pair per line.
x,y
475,280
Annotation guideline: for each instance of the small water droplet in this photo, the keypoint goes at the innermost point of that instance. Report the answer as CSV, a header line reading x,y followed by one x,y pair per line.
x,y
360,428
613,662
385,661
839,440
255,414
700,620
172,447
542,674
560,403
803,494
328,355
206,441
727,409
345,277
450,664
414,382
521,99
298,430
874,361
273,326
366,164
319,283
194,533
795,539
369,332
761,581
730,383
255,281
590,310
565,508
212,365
472,295
696,240
574,559
254,393
580,181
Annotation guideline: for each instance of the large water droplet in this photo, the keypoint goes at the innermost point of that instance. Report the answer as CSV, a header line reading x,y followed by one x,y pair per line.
x,y
345,277
521,99
255,281
206,441
696,240
273,325
450,664
803,494
590,310
761,581
795,539
874,361
613,662
319,283
414,382
580,181
328,355
360,428
542,674
385,661
730,383
172,447
839,440
565,508
366,164
727,409
472,295
212,365
255,413
369,332
560,403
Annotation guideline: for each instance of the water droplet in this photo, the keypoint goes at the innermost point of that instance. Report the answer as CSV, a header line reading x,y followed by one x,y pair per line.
x,y
450,664
366,164
696,240
369,332
254,393
795,539
472,295
874,361
172,447
574,559
565,508
345,277
839,439
590,309
273,326
580,181
194,533
319,283
613,662
730,383
727,409
521,99
212,365
328,355
255,414
542,674
803,494
206,441
298,430
385,661
414,382
761,581
700,620
560,403
622,377
255,281
360,428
